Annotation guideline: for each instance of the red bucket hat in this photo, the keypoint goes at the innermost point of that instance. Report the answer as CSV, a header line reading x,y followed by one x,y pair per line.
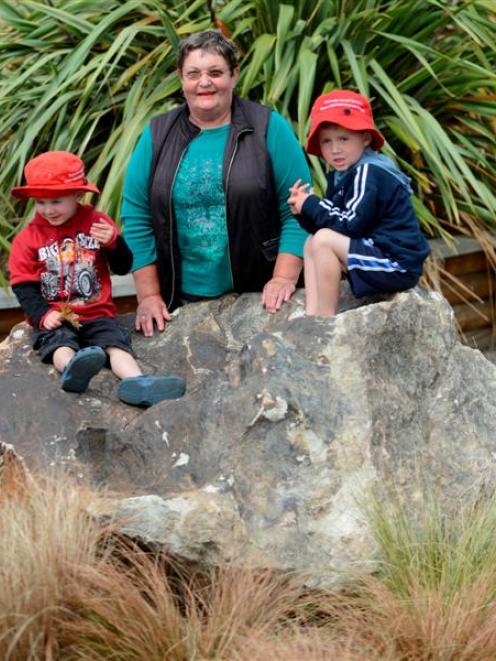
x,y
349,110
54,173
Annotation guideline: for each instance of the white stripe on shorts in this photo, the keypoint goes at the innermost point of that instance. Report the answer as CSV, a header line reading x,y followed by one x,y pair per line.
x,y
371,263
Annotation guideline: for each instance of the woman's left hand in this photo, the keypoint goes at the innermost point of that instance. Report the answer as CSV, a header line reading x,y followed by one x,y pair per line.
x,y
276,292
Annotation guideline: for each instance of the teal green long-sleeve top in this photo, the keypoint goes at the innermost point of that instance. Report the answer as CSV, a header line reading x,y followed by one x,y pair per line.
x,y
199,204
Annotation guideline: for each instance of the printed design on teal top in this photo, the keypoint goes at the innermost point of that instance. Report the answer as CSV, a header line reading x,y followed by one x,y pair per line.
x,y
199,207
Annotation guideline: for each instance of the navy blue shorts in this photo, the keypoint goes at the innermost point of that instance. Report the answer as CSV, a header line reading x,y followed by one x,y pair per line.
x,y
370,271
104,332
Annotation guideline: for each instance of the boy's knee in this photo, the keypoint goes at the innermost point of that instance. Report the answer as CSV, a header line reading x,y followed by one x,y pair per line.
x,y
114,351
324,238
329,240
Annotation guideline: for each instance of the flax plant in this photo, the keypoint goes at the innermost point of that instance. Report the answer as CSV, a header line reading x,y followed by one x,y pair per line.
x,y
87,77
429,68
84,77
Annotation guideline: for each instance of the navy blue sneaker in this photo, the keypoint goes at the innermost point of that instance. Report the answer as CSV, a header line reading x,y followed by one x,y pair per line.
x,y
81,368
148,390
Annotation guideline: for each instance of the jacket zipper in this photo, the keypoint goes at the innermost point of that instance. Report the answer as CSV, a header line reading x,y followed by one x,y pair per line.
x,y
228,174
172,221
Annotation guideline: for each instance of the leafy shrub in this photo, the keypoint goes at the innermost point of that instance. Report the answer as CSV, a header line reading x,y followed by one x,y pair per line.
x,y
87,77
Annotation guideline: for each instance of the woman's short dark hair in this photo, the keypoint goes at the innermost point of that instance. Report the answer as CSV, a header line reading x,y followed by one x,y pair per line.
x,y
211,41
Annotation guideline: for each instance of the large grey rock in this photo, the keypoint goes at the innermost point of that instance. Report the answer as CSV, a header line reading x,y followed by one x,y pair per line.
x,y
287,424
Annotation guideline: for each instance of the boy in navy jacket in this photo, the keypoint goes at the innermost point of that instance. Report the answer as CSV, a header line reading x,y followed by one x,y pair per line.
x,y
365,225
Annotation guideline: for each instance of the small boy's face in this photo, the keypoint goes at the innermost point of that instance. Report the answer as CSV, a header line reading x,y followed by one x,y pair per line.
x,y
342,148
57,210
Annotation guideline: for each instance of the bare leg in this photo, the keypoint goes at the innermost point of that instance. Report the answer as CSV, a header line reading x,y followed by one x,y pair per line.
x,y
329,253
123,363
61,357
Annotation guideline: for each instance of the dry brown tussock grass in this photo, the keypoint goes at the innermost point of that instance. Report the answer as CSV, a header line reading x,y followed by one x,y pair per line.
x,y
72,591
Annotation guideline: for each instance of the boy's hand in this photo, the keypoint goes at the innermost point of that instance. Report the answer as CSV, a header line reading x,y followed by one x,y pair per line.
x,y
298,195
51,320
102,232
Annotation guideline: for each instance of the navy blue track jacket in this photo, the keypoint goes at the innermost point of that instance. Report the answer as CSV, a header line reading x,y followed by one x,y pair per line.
x,y
371,202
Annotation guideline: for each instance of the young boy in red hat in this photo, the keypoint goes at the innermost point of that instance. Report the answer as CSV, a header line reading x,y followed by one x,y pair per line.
x,y
365,225
59,272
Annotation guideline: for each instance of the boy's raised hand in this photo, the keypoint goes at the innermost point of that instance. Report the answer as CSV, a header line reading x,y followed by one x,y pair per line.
x,y
102,232
298,193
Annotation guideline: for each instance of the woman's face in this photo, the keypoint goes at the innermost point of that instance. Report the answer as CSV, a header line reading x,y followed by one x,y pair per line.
x,y
207,85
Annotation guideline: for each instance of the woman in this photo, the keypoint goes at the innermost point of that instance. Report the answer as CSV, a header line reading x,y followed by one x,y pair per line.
x,y
205,195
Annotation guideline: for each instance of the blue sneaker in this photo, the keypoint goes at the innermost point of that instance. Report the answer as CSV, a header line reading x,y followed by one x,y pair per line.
x,y
81,368
148,390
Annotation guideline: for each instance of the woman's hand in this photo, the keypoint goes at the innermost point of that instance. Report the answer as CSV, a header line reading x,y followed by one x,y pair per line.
x,y
151,309
298,193
51,320
276,292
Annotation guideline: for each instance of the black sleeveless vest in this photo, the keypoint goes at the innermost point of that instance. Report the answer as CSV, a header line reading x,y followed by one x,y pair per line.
x,y
252,215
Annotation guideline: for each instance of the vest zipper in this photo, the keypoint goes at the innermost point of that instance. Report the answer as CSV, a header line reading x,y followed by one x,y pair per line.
x,y
172,221
228,174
